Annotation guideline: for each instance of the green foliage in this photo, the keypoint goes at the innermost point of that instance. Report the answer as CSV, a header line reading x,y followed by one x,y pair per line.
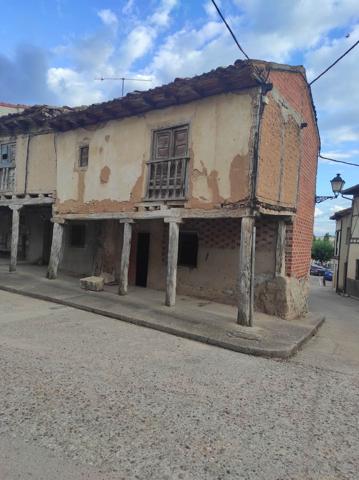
x,y
322,249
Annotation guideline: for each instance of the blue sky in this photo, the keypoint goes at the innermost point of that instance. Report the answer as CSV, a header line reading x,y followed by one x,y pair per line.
x,y
53,50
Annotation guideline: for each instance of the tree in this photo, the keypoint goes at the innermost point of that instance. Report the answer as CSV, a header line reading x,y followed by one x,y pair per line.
x,y
322,249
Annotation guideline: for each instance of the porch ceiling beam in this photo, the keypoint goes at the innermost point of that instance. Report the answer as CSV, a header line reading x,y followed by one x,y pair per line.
x,y
4,202
180,213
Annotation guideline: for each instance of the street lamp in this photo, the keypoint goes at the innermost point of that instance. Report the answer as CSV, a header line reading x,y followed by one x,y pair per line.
x,y
337,187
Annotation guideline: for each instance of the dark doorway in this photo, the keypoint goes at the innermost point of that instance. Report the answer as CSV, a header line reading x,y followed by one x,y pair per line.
x,y
47,239
142,257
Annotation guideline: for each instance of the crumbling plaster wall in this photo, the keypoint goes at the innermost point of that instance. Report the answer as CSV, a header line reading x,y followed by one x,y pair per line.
x,y
220,147
39,152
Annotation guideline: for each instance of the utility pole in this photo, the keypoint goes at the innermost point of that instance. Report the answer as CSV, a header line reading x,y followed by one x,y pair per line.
x,y
123,79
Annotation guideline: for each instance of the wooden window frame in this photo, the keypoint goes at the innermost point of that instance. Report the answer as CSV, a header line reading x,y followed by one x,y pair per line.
x,y
184,159
82,148
71,243
180,261
10,163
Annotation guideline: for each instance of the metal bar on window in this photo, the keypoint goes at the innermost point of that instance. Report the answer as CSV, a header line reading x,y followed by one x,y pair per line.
x,y
168,159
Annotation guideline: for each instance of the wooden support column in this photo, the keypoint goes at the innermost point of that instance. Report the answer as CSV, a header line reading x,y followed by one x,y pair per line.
x,y
56,250
280,249
171,279
125,255
14,236
246,272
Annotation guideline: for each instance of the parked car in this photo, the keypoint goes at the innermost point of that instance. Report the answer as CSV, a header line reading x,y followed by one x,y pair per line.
x,y
328,275
317,270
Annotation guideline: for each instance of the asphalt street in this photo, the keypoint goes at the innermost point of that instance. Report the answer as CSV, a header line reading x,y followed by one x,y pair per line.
x,y
87,397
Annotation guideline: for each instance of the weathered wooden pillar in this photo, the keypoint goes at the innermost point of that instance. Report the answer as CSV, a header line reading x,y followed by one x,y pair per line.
x,y
14,236
172,258
280,249
125,255
56,250
246,272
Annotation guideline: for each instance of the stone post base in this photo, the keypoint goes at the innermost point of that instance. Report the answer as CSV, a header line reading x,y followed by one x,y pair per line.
x,y
285,297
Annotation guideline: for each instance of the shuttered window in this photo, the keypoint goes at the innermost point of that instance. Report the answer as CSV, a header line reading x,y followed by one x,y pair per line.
x,y
167,169
7,154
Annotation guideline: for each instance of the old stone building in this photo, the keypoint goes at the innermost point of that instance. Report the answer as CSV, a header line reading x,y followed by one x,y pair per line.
x,y
204,186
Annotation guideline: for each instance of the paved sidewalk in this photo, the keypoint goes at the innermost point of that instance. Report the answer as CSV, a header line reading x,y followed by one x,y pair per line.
x,y
199,320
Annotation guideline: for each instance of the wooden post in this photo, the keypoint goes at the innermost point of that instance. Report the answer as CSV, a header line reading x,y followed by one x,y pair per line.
x,y
246,272
280,249
56,250
125,255
14,236
171,279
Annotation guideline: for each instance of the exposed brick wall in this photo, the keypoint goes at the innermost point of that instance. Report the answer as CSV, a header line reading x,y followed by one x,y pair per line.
x,y
225,233
299,236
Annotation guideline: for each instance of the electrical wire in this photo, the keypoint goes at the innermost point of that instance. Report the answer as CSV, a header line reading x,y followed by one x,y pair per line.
x,y
255,67
338,161
334,63
229,29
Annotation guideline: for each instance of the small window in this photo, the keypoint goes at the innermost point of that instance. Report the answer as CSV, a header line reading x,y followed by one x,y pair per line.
x,y
337,243
84,156
357,270
7,154
77,236
347,239
188,249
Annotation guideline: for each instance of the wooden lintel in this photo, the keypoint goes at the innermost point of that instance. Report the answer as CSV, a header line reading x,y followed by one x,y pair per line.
x,y
26,201
172,213
126,220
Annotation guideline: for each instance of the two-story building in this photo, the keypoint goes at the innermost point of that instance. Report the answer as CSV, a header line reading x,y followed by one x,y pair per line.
x,y
27,184
346,251
204,186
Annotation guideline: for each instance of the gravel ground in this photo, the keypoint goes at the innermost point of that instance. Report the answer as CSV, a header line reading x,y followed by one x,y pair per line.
x,y
108,400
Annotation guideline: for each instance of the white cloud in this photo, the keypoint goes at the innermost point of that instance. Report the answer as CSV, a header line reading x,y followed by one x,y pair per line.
x,y
139,42
71,87
108,17
318,212
161,17
128,7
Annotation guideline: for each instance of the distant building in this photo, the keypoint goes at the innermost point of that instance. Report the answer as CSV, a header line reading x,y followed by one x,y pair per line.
x,y
346,252
8,108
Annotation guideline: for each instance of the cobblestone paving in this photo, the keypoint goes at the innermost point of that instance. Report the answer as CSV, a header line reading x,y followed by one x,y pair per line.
x,y
132,403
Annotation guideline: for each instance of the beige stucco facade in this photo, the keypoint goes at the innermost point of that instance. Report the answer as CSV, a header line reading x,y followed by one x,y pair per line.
x,y
220,143
35,165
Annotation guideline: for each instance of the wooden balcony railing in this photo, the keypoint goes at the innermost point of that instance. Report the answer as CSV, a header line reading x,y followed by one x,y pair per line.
x,y
167,179
7,179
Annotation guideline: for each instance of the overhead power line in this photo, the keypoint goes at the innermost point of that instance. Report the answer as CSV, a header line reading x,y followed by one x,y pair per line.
x,y
334,63
338,161
229,29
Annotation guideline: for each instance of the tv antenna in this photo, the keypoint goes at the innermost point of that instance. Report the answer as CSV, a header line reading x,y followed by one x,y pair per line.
x,y
123,79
